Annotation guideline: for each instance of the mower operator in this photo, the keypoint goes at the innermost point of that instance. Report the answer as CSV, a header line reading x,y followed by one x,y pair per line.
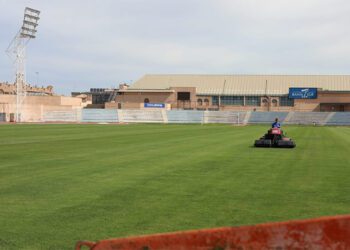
x,y
276,124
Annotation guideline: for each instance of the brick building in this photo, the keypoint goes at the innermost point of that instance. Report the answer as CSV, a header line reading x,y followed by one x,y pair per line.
x,y
236,92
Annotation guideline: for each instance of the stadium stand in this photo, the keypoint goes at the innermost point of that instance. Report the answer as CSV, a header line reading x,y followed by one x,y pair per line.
x,y
339,118
185,116
224,117
139,115
316,118
99,115
194,116
61,116
266,117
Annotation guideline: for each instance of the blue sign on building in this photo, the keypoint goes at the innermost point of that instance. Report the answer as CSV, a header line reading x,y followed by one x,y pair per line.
x,y
154,105
302,93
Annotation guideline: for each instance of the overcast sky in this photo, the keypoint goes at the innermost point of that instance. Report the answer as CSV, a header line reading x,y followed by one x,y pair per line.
x,y
82,44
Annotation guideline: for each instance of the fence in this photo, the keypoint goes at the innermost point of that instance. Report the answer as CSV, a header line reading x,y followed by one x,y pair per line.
x,y
194,116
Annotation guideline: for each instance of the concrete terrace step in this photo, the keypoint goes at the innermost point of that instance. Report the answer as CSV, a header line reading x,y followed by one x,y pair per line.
x,y
266,117
99,115
318,118
141,115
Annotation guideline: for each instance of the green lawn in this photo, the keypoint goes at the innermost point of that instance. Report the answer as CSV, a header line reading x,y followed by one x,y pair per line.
x,y
63,183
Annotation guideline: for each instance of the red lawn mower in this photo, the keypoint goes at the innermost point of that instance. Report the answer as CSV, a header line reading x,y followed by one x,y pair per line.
x,y
275,138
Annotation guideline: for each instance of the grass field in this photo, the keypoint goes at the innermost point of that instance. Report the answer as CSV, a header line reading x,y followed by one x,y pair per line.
x,y
63,183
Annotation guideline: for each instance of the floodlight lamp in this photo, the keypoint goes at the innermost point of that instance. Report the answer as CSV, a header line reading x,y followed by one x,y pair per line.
x,y
32,12
31,19
30,22
29,25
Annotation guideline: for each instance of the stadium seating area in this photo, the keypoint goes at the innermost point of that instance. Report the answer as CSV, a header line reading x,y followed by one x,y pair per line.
x,y
224,117
61,116
185,116
99,115
140,115
316,118
266,117
339,118
195,116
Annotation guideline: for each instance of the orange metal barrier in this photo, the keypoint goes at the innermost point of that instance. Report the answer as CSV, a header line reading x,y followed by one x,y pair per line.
x,y
321,233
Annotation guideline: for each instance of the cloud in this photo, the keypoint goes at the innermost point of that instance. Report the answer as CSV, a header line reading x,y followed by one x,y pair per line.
x,y
83,44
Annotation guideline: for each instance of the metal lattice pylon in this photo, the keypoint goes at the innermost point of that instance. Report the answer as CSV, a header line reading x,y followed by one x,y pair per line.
x,y
17,52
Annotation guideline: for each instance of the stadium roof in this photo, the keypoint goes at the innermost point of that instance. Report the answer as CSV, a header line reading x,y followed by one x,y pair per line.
x,y
244,84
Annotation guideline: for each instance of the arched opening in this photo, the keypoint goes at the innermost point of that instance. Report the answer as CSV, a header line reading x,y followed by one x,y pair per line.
x,y
206,102
146,100
199,102
274,102
265,102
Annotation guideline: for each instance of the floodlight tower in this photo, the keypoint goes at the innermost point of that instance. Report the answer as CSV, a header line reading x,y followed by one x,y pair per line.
x,y
17,51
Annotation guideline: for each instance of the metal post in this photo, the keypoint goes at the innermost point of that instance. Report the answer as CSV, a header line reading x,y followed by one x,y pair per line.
x,y
20,78
203,117
222,93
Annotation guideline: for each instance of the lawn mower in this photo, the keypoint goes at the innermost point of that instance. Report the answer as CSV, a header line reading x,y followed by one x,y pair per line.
x,y
275,138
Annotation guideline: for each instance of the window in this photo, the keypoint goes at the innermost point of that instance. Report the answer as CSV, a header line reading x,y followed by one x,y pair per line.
x,y
232,100
199,102
274,102
100,98
183,96
285,101
206,102
252,100
215,100
265,102
146,100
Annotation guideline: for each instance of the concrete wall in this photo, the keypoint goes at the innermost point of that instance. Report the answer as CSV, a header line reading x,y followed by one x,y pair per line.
x,y
71,101
134,97
43,100
329,98
33,107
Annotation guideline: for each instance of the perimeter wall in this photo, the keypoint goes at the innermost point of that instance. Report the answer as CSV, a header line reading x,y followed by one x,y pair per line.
x,y
193,116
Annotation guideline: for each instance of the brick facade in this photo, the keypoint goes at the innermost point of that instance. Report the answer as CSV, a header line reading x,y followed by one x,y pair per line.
x,y
326,101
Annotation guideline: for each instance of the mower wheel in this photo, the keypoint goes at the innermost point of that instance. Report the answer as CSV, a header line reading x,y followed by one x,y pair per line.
x,y
263,143
285,144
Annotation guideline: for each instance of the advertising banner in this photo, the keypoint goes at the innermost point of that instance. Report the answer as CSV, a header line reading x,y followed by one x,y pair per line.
x,y
302,93
154,105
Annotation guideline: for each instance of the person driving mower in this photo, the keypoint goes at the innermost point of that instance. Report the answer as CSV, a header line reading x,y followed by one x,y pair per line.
x,y
275,138
276,124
